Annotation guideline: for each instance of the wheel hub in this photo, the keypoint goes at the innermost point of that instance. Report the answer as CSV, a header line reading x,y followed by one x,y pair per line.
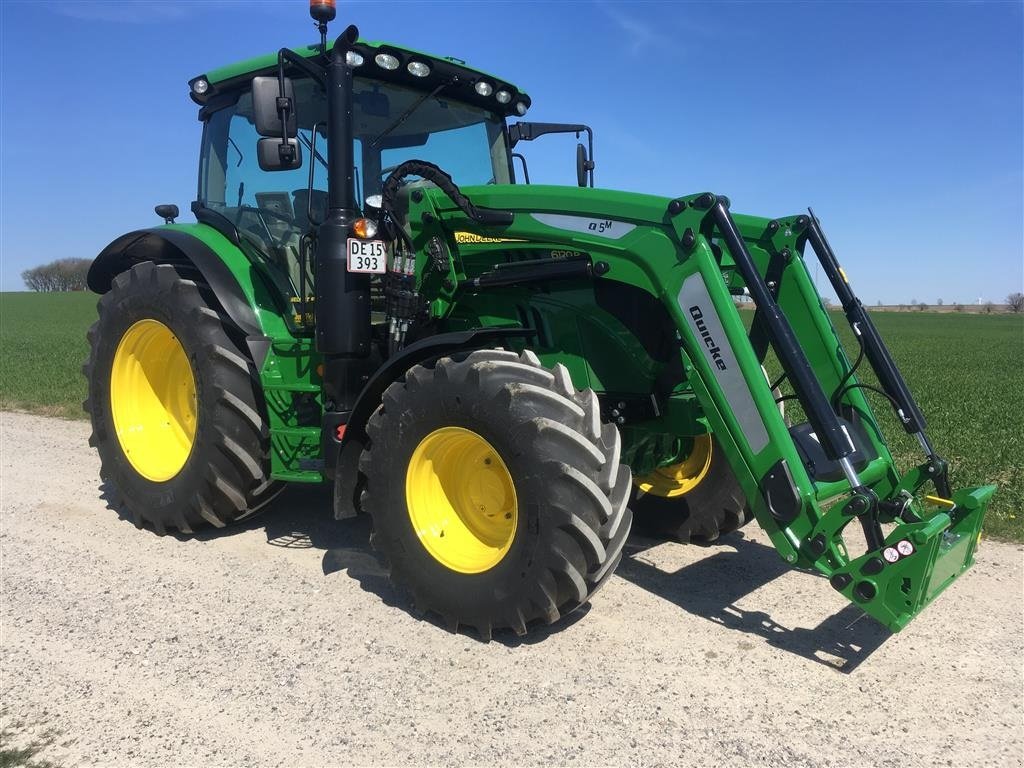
x,y
682,477
153,400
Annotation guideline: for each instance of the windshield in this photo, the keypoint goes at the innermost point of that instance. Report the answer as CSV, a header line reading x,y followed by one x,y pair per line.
x,y
465,141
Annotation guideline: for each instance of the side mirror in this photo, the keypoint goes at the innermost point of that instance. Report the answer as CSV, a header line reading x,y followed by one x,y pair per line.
x,y
584,166
276,155
266,107
167,212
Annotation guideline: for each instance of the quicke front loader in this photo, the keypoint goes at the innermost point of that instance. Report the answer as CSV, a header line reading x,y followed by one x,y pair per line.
x,y
499,373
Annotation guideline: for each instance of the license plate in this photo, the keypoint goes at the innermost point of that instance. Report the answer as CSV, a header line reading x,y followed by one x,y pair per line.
x,y
369,256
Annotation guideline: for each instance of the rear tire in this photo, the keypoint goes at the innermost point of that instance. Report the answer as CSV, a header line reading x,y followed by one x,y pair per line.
x,y
224,468
540,438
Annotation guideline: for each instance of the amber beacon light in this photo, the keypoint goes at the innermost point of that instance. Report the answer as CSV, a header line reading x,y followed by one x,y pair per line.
x,y
322,11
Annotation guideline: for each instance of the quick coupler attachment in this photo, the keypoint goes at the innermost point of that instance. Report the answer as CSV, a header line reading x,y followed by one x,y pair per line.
x,y
917,560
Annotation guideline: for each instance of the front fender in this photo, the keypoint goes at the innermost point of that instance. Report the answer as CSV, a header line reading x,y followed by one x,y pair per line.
x,y
342,455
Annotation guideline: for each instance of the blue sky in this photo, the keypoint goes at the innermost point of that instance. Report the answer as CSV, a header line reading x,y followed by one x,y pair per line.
x,y
901,123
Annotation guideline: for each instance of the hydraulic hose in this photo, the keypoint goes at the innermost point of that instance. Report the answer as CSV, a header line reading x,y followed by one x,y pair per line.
x,y
444,182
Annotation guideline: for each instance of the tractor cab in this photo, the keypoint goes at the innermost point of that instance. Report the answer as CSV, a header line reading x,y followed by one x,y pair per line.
x,y
404,106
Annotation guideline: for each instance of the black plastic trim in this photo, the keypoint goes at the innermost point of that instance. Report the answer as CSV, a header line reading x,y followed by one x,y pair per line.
x,y
780,493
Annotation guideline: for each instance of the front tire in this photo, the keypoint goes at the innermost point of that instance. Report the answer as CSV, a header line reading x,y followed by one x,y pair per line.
x,y
496,492
175,404
696,500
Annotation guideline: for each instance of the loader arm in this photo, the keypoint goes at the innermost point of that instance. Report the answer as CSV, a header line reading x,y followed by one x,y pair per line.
x,y
799,500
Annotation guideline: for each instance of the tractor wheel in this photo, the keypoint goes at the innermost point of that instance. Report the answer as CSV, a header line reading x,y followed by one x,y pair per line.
x,y
177,414
696,500
496,492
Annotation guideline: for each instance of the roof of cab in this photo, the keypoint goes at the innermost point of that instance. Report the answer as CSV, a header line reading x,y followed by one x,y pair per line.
x,y
227,77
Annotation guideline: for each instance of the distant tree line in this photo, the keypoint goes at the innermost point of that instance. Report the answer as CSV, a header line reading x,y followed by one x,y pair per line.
x,y
1014,303
60,275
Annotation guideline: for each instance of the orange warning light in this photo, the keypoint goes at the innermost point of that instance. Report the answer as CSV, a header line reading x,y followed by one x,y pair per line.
x,y
322,11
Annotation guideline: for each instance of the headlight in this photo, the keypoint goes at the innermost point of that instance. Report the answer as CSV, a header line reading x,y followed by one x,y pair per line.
x,y
521,108
503,97
386,61
484,88
418,69
354,59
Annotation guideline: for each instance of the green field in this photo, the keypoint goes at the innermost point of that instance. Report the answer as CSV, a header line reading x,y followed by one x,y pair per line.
x,y
42,348
967,372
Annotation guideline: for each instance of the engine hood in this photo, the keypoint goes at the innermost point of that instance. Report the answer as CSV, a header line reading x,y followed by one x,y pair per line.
x,y
583,201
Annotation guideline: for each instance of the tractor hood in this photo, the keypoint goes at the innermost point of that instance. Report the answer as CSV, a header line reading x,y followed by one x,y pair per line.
x,y
573,201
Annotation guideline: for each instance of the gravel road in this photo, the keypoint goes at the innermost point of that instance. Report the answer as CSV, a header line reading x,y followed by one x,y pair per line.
x,y
281,643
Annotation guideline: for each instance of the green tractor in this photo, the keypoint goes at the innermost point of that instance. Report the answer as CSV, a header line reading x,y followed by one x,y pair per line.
x,y
499,373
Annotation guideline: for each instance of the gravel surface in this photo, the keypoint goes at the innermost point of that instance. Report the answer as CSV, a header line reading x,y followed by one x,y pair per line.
x,y
281,643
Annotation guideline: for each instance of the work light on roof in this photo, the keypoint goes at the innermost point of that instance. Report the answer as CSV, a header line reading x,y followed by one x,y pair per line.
x,y
484,88
521,108
386,61
199,87
354,59
418,68
503,96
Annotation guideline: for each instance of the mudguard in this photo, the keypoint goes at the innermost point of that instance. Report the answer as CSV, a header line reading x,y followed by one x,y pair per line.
x,y
164,245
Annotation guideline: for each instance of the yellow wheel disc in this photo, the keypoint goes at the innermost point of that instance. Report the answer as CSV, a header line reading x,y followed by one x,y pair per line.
x,y
677,479
461,500
153,400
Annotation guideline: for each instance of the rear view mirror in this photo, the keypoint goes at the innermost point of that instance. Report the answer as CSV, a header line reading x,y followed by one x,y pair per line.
x,y
266,112
276,155
584,166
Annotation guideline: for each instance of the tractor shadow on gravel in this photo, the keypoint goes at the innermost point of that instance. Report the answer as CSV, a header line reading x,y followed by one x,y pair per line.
x,y
300,518
711,587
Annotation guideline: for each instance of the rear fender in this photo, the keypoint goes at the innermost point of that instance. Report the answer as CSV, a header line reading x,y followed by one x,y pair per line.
x,y
164,245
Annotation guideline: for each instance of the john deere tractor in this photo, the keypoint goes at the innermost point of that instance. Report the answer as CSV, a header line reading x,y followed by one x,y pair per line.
x,y
497,372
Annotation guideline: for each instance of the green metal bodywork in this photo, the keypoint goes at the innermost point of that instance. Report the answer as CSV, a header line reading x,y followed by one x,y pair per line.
x,y
645,253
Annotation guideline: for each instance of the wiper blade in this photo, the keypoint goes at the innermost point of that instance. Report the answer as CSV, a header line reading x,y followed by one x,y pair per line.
x,y
405,115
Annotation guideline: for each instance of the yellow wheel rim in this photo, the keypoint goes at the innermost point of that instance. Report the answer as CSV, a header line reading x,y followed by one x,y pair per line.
x,y
153,400
461,500
678,479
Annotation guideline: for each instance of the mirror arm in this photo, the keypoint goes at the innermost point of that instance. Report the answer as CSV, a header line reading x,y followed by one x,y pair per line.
x,y
524,131
284,105
318,73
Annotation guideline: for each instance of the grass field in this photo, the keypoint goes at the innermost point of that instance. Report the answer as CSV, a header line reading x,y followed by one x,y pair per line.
x,y
967,372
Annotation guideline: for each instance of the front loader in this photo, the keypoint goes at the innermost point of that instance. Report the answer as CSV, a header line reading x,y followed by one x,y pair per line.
x,y
499,373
